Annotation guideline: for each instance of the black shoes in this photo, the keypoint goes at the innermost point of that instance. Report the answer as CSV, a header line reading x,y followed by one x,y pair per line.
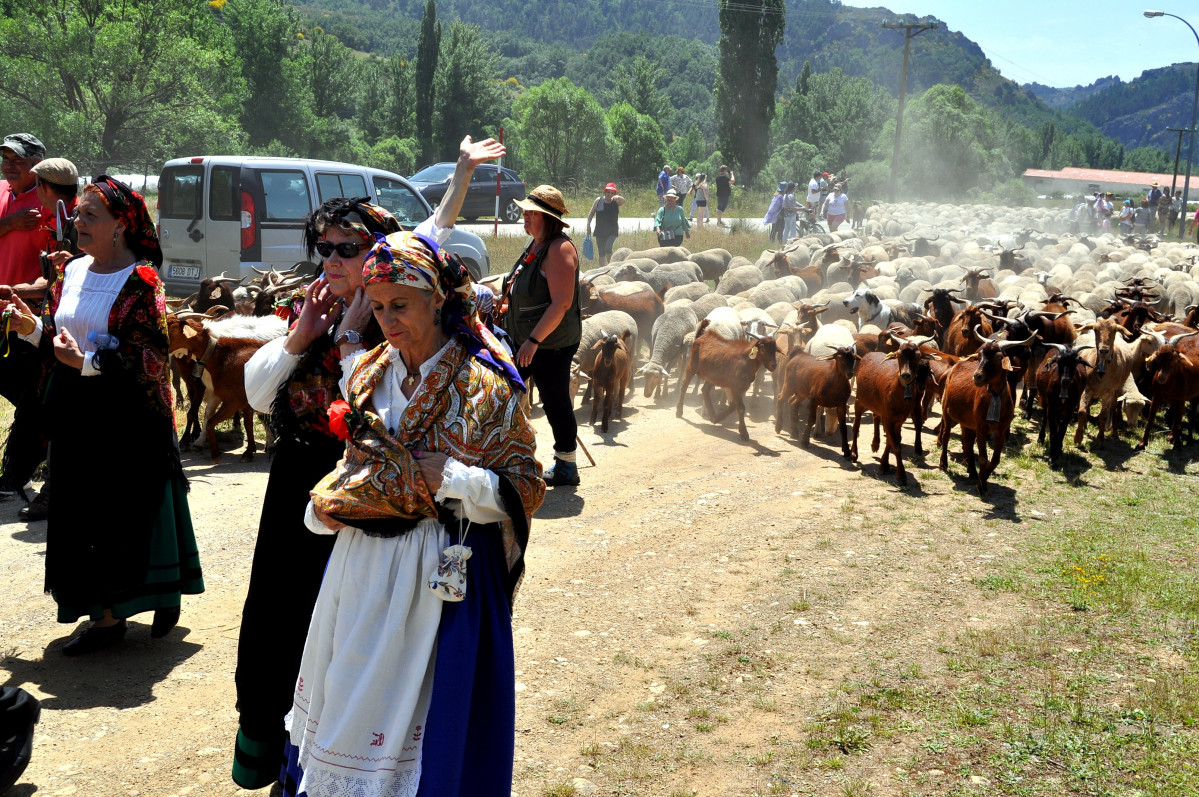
x,y
19,712
37,509
95,638
164,621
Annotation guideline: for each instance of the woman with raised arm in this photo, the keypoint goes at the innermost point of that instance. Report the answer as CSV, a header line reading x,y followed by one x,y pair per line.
x,y
296,379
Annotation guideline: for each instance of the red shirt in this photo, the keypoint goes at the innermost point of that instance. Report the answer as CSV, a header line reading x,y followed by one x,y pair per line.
x,y
20,250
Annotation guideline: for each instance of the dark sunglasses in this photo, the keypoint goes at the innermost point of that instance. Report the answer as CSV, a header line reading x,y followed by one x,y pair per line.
x,y
347,249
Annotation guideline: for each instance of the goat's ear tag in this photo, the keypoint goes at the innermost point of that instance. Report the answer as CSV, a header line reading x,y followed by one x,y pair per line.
x,y
1007,364
216,293
188,332
753,353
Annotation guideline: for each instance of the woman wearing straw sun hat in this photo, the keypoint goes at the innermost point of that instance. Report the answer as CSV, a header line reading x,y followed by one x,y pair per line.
x,y
606,212
545,322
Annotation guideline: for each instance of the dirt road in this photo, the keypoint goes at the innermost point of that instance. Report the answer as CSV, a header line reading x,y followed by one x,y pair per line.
x,y
685,613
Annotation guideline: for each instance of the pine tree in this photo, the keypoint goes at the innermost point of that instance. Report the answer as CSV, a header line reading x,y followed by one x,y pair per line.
x,y
428,49
750,31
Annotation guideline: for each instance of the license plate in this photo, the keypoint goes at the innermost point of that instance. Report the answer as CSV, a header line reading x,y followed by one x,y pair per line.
x,y
184,272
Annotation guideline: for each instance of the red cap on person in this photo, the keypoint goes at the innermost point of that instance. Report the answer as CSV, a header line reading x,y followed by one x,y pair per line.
x,y
610,187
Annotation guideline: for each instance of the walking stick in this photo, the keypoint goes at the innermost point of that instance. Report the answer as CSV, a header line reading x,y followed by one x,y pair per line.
x,y
579,440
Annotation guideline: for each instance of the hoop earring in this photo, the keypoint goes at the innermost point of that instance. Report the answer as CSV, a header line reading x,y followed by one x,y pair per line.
x,y
437,316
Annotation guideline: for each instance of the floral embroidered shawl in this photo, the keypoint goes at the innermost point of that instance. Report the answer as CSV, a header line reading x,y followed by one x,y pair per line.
x,y
462,409
138,320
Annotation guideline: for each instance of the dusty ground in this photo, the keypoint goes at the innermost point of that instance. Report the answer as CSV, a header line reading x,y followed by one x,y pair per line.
x,y
686,613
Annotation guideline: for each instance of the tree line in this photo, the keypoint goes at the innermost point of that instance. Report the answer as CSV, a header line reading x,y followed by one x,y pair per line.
x,y
133,83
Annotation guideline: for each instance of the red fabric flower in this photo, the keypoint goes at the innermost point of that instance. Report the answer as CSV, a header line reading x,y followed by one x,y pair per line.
x,y
337,419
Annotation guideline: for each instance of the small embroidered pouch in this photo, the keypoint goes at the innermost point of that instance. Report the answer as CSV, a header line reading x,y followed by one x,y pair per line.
x,y
448,581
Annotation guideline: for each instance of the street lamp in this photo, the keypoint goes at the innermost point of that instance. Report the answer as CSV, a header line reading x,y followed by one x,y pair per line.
x,y
1186,186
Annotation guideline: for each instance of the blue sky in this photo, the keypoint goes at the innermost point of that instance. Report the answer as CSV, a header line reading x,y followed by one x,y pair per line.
x,y
1065,42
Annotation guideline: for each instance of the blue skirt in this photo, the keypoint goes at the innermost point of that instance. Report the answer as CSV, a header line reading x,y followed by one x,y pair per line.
x,y
470,733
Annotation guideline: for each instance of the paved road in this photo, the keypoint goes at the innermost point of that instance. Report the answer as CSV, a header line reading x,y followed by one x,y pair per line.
x,y
484,229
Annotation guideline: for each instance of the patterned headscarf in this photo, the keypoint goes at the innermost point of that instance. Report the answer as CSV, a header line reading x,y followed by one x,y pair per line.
x,y
355,214
129,207
406,258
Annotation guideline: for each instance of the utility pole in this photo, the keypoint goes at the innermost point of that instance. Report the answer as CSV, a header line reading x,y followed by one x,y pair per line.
x,y
1177,155
910,30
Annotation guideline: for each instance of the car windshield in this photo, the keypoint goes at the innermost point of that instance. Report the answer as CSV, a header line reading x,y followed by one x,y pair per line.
x,y
437,173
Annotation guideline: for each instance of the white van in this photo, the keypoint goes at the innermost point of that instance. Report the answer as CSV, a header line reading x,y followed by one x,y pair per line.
x,y
226,214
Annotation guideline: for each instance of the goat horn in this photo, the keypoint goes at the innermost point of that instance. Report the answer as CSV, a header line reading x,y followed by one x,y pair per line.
x,y
979,335
1174,340
1004,345
922,340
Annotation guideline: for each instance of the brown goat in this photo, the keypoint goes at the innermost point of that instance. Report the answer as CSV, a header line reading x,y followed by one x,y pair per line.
x,y
978,285
959,338
730,364
821,382
1175,370
610,375
978,398
888,388
635,298
224,361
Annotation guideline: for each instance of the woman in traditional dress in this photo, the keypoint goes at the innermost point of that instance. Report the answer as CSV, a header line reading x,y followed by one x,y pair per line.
x,y
295,379
401,688
103,337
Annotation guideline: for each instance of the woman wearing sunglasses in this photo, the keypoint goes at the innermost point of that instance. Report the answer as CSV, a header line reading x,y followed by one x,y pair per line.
x,y
295,379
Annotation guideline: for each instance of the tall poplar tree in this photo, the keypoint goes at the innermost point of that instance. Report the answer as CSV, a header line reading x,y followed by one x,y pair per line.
x,y
750,31
428,50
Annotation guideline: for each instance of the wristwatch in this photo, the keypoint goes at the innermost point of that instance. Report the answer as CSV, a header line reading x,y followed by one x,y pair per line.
x,y
348,336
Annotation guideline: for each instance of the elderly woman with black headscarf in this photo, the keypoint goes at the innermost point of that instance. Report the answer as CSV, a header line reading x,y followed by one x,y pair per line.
x,y
106,386
407,683
295,379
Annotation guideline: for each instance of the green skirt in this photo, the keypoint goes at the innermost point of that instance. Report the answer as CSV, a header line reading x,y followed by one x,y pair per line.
x,y
174,567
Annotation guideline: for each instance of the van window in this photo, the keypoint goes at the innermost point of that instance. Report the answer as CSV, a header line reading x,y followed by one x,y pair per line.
x,y
223,202
286,194
181,192
399,200
330,186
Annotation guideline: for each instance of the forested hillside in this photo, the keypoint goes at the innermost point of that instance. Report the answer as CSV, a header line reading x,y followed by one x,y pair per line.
x,y
1063,98
1138,113
586,90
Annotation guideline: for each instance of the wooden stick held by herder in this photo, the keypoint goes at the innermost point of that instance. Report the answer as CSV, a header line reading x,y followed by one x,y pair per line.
x,y
579,440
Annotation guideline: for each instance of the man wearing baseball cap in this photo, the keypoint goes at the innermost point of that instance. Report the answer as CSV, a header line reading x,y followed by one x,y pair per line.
x,y
22,236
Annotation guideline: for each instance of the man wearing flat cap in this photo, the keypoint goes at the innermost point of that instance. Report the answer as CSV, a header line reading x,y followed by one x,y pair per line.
x,y
22,218
26,230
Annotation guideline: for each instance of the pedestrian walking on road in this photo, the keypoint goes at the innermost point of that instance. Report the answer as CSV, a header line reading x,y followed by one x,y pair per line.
x,y
701,198
663,184
774,213
606,212
724,182
670,222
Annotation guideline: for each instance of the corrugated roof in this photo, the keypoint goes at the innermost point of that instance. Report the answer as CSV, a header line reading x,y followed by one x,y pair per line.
x,y
1104,175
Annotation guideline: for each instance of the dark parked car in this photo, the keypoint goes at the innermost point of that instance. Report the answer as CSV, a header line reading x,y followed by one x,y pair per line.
x,y
432,182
